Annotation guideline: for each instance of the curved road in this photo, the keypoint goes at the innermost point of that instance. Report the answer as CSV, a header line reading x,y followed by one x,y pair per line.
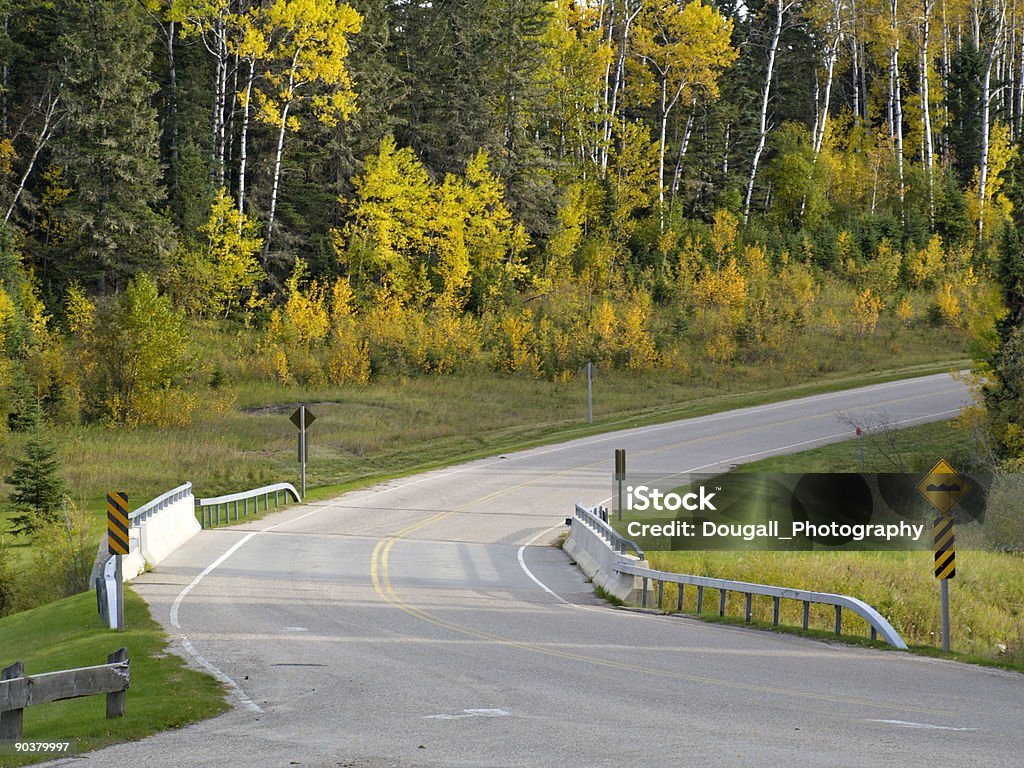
x,y
424,623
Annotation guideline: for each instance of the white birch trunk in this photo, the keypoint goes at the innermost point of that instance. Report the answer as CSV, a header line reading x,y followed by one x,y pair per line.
x,y
765,95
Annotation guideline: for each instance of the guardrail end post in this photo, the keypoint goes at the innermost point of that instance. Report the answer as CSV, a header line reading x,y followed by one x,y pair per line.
x,y
116,701
10,721
839,619
874,630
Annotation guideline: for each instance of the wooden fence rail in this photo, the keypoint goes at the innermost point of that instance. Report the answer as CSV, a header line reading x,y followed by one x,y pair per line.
x,y
18,690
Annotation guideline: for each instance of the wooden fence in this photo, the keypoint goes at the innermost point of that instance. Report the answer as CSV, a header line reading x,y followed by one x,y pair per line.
x,y
18,690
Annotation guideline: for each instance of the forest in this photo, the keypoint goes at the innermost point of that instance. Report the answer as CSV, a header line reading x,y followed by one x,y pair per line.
x,y
336,193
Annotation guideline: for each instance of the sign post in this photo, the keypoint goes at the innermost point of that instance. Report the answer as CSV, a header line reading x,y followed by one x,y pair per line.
x,y
590,393
117,547
620,476
302,418
943,487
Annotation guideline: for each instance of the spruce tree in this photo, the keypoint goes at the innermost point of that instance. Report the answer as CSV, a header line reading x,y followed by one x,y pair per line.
x,y
39,489
110,143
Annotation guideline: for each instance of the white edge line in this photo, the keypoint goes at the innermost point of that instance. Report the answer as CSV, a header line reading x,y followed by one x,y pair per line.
x,y
528,572
190,649
250,704
827,440
923,726
187,645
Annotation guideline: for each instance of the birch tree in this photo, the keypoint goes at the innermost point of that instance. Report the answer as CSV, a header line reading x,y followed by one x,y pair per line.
x,y
781,8
685,50
308,44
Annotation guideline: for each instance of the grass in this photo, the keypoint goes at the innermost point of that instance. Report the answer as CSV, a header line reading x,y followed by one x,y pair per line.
x,y
164,693
390,428
986,597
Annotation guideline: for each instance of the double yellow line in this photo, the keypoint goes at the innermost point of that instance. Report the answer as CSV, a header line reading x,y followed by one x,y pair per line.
x,y
383,587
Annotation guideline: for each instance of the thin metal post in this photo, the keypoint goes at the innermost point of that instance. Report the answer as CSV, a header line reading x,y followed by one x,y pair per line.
x,y
679,598
721,602
661,594
590,399
643,595
775,610
749,607
839,619
700,599
807,613
119,576
944,595
302,446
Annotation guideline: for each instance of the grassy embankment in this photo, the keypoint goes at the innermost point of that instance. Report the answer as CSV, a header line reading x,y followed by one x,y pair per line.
x,y
987,595
396,426
164,693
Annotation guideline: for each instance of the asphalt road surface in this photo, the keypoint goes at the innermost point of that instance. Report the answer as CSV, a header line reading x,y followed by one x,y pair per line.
x,y
425,622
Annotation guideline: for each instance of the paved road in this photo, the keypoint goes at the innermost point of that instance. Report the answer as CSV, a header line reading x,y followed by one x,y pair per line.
x,y
424,623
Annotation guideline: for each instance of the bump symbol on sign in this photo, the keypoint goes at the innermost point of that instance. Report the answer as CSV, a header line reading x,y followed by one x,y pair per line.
x,y
943,487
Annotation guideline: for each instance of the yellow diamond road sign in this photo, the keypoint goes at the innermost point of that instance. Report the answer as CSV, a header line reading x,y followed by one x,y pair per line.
x,y
943,487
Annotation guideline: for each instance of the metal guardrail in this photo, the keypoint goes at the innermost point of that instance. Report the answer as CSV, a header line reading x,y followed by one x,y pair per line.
x,y
206,509
878,623
597,520
160,502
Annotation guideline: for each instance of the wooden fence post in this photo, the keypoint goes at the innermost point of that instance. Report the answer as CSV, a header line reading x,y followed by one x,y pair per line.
x,y
116,701
10,721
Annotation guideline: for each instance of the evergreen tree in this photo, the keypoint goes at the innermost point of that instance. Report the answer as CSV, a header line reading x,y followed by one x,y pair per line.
x,y
39,489
110,145
964,100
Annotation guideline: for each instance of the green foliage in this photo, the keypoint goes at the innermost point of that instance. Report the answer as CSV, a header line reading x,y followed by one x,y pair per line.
x,y
109,147
39,490
230,255
137,348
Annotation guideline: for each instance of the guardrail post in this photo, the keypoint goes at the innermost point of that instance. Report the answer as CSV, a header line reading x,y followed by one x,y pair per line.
x,y
661,594
116,701
839,619
10,721
874,630
775,610
643,594
700,599
750,614
679,598
721,602
807,613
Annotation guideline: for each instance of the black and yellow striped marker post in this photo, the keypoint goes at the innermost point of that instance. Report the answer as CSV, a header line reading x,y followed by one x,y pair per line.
x,y
117,523
117,545
945,552
943,487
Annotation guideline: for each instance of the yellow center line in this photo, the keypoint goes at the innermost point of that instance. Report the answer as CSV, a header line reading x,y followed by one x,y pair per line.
x,y
383,587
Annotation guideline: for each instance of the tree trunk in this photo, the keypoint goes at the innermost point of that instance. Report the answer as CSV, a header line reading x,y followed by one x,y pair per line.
x,y
49,123
765,95
926,118
986,112
896,101
277,177
683,145
243,142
